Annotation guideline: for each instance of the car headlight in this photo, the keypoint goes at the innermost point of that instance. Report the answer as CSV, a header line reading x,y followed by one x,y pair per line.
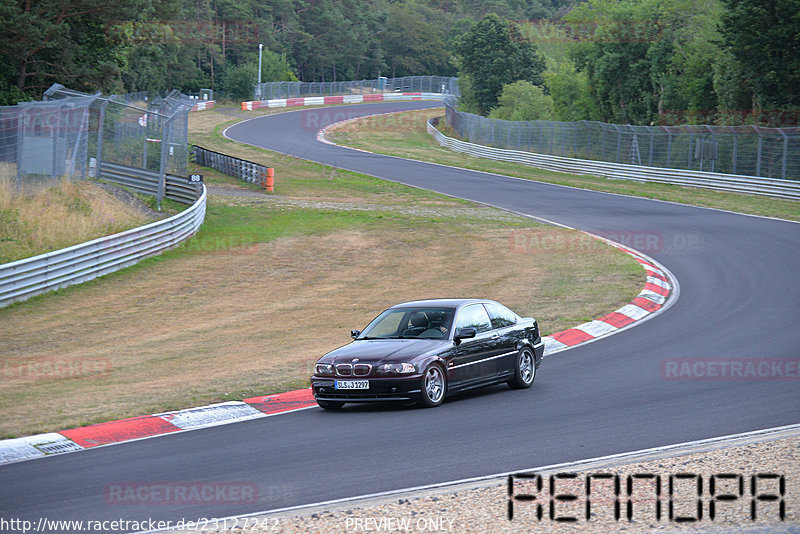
x,y
397,368
324,369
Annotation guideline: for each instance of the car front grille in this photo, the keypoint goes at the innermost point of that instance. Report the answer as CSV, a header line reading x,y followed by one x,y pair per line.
x,y
362,369
359,369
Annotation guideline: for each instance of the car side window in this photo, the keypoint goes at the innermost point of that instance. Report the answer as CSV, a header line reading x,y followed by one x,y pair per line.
x,y
500,315
474,316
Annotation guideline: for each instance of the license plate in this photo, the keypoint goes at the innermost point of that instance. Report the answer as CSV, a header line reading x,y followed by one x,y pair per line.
x,y
352,384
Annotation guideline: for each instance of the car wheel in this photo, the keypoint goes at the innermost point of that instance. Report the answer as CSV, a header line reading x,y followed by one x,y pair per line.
x,y
434,386
330,405
524,370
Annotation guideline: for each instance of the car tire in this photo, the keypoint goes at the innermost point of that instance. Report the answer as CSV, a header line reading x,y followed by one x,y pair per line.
x,y
434,387
524,370
330,405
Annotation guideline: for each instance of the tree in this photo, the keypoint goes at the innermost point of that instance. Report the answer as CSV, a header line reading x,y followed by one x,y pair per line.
x,y
570,93
492,54
239,81
764,38
523,101
49,41
616,62
413,43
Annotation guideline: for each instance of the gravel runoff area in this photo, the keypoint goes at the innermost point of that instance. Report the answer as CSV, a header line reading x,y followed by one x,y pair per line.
x,y
483,506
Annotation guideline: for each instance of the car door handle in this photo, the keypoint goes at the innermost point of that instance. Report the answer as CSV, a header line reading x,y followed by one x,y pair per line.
x,y
495,336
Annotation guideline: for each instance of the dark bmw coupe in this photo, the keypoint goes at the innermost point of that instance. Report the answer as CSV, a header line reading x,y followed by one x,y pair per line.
x,y
425,350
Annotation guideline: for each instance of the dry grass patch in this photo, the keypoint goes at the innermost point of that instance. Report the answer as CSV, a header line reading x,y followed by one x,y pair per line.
x,y
251,320
58,216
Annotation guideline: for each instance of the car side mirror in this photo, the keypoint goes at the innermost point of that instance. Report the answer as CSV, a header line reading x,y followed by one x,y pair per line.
x,y
465,333
355,333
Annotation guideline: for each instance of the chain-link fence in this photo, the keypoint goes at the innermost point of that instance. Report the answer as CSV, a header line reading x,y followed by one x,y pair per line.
x,y
745,150
42,140
406,84
75,135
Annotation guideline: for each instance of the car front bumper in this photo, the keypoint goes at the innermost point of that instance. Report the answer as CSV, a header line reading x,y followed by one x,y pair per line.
x,y
380,389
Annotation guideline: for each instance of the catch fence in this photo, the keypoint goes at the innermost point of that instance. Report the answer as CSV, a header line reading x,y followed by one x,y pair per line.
x,y
740,150
77,135
405,84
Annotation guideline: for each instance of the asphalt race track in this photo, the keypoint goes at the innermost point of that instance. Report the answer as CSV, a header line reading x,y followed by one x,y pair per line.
x,y
739,299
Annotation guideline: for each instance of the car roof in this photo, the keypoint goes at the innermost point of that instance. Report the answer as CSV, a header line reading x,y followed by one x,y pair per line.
x,y
439,303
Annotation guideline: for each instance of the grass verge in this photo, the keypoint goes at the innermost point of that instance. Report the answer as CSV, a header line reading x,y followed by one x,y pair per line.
x,y
58,215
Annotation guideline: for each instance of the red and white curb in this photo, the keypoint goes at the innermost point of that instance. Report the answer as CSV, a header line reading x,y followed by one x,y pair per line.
x,y
40,445
660,289
346,99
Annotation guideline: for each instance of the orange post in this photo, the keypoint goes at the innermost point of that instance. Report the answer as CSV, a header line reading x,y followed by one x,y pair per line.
x,y
269,182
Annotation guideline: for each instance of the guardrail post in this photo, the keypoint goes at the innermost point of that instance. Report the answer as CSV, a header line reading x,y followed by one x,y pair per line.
x,y
100,130
785,152
669,144
588,139
162,177
758,155
55,137
144,151
20,144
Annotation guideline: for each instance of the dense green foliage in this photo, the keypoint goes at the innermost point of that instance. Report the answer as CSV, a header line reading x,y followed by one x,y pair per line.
x,y
677,61
523,101
134,45
628,61
492,54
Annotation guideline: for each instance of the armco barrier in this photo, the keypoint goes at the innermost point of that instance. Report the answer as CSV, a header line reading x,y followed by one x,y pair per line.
x,y
717,181
20,280
145,181
254,173
346,99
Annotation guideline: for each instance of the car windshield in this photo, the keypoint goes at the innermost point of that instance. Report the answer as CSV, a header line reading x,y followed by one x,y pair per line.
x,y
403,323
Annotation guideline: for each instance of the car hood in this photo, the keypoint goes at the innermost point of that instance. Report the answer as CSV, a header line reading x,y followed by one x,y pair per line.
x,y
380,350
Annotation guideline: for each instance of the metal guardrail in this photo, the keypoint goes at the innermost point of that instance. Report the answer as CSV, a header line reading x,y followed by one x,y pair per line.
x,y
746,150
144,181
255,173
179,189
136,178
753,185
20,280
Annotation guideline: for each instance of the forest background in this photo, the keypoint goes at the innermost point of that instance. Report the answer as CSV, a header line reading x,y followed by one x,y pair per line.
x,y
623,61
